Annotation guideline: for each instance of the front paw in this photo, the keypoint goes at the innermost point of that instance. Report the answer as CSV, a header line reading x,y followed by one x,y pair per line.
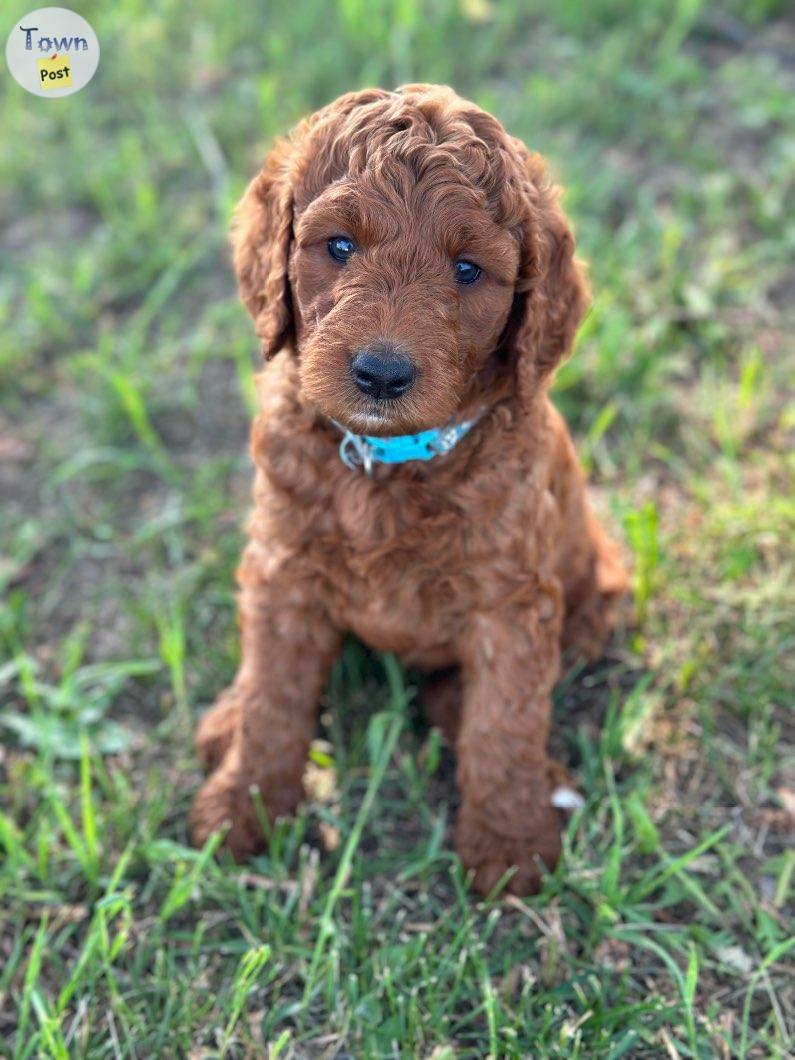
x,y
490,855
224,801
217,728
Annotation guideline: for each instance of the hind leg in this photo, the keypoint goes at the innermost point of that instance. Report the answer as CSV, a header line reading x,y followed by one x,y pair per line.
x,y
597,579
589,563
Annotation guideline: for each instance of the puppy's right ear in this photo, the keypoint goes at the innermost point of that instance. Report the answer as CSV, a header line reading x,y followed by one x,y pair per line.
x,y
262,229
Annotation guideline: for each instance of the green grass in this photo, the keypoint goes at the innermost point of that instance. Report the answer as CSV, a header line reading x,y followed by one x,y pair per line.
x,y
125,367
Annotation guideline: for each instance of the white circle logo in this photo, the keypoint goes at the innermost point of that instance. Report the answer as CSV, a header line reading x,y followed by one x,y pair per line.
x,y
52,52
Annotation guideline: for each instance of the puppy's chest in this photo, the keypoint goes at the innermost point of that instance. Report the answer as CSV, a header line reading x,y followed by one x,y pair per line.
x,y
406,567
406,594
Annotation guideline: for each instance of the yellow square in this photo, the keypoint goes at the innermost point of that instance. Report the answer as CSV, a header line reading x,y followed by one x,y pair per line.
x,y
55,72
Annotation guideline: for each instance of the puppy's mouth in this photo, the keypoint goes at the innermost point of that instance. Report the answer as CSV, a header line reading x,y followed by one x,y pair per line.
x,y
366,421
409,414
378,418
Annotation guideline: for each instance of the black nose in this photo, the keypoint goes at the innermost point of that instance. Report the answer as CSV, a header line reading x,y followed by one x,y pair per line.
x,y
382,372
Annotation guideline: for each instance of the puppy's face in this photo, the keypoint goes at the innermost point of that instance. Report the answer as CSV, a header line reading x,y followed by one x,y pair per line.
x,y
410,253
401,291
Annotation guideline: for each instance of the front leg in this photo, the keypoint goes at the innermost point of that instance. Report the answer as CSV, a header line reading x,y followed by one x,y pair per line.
x,y
288,646
511,661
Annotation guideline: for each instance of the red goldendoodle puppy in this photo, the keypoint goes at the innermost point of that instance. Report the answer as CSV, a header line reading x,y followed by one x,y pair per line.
x,y
411,275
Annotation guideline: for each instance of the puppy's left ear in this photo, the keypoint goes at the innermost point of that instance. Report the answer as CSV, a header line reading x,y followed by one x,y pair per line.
x,y
551,292
262,229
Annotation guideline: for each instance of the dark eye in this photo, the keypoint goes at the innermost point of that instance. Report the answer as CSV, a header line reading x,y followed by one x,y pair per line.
x,y
341,248
466,271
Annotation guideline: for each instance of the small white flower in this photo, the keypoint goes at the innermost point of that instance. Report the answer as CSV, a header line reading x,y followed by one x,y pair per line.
x,y
567,799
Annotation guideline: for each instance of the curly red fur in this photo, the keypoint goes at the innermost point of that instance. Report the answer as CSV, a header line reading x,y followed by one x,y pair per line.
x,y
482,563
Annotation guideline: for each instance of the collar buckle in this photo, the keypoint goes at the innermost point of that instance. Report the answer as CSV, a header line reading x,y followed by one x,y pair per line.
x,y
355,451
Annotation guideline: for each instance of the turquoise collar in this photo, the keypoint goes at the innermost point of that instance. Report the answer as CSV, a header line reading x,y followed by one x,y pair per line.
x,y
364,450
